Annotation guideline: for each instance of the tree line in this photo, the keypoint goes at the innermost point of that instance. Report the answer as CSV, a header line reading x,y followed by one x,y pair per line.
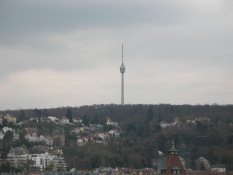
x,y
142,136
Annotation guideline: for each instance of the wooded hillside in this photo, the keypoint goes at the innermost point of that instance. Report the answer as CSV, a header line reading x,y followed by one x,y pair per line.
x,y
200,130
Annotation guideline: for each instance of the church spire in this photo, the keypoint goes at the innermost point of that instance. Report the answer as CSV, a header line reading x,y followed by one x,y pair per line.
x,y
173,150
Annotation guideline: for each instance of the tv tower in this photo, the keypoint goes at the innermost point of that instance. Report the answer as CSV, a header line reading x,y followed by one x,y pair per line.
x,y
122,70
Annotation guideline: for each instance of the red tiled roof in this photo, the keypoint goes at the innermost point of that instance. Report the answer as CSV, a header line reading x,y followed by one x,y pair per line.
x,y
173,161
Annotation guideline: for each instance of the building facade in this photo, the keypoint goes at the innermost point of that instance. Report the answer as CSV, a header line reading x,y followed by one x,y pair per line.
x,y
171,163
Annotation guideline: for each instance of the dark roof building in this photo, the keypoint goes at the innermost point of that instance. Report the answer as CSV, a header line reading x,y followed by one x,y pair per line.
x,y
171,163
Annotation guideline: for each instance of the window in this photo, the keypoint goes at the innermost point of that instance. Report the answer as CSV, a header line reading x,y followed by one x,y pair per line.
x,y
163,171
176,171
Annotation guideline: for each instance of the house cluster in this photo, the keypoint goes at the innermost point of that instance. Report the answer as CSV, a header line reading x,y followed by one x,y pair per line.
x,y
188,122
45,152
4,130
9,118
49,140
32,136
124,171
62,121
19,157
96,132
59,121
204,164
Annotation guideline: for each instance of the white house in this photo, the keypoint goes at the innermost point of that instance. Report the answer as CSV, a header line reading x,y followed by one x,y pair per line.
x,y
65,120
31,137
5,129
18,157
49,141
53,119
82,141
165,124
219,168
114,133
1,135
41,161
111,123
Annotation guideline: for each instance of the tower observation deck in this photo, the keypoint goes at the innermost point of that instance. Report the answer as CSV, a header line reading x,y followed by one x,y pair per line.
x,y
122,70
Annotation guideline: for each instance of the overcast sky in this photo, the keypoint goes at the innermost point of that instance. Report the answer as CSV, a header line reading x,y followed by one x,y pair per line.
x,y
68,52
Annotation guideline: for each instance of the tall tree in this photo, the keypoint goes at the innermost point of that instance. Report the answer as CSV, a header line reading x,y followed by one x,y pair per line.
x,y
7,143
45,113
86,120
37,113
21,116
150,115
69,114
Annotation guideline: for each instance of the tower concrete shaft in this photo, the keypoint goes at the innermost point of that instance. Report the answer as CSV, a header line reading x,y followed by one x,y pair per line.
x,y
122,88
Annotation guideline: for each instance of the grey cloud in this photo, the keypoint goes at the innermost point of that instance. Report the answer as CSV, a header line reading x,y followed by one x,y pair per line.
x,y
27,18
25,26
175,47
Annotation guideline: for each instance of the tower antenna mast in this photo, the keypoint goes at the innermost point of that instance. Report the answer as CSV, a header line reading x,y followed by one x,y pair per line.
x,y
122,53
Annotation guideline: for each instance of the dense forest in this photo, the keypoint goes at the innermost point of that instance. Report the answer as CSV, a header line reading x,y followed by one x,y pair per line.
x,y
211,136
